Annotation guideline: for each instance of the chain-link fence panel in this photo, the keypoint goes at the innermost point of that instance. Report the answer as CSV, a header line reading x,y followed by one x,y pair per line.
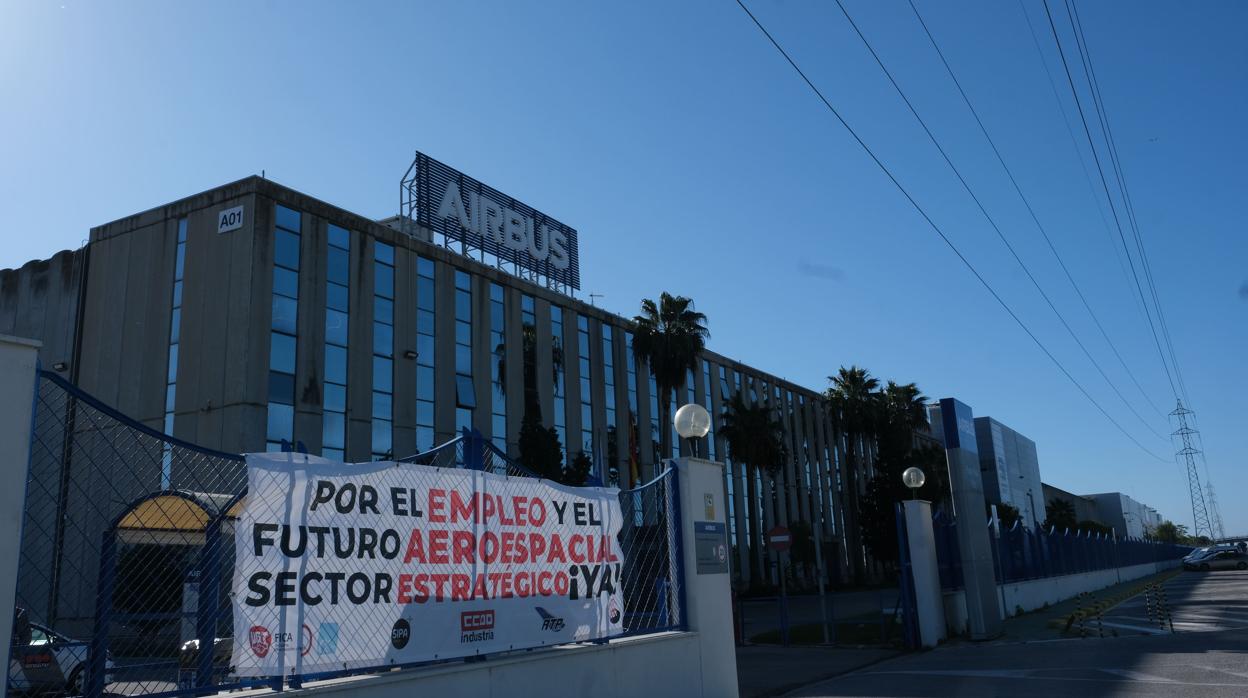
x,y
128,584
111,548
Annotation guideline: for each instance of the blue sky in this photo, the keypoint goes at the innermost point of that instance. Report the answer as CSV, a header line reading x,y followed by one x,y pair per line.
x,y
692,159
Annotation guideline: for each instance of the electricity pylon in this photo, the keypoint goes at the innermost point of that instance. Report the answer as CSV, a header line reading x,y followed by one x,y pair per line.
x,y
1215,513
1187,457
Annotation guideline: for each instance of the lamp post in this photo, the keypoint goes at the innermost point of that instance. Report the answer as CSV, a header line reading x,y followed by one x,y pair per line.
x,y
914,479
692,422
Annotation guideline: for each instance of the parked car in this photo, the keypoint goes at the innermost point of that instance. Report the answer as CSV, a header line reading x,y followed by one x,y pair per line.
x,y
1231,559
43,661
188,661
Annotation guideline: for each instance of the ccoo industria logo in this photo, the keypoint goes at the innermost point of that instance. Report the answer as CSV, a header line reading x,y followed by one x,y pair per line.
x,y
476,626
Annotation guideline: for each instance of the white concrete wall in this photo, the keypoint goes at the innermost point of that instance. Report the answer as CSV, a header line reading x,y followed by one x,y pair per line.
x,y
655,666
1034,594
18,363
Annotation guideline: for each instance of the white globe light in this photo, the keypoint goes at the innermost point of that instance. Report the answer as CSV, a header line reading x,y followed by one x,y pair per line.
x,y
692,421
914,478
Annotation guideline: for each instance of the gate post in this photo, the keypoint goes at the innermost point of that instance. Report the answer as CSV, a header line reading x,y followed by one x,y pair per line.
x,y
19,363
705,556
920,553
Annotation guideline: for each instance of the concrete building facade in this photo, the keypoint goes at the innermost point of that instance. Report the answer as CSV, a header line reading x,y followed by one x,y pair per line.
x,y
309,324
1085,507
1124,514
1010,468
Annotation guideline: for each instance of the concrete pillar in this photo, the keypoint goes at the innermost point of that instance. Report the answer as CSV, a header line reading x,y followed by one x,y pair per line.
x,y
928,601
18,362
978,577
708,582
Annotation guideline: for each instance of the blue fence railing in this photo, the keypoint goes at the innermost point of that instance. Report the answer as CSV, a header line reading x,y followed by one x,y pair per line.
x,y
1020,553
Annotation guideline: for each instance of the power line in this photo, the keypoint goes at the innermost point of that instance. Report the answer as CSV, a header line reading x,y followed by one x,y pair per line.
x,y
1085,53
1083,164
1104,184
906,193
992,222
983,129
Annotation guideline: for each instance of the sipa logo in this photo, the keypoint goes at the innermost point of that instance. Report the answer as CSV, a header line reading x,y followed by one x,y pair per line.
x,y
261,640
550,622
400,633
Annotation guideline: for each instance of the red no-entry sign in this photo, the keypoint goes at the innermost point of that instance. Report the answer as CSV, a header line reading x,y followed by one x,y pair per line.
x,y
779,539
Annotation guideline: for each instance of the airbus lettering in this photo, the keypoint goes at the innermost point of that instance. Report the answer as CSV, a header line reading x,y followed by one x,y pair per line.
x,y
504,227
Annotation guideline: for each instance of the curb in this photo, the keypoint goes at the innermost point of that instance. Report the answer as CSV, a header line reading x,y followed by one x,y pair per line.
x,y
1064,623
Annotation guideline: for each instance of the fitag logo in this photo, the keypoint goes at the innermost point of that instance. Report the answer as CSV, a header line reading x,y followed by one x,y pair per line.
x,y
400,633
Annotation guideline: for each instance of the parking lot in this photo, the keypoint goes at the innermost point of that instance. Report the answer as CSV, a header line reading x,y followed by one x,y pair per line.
x,y
1194,602
1202,657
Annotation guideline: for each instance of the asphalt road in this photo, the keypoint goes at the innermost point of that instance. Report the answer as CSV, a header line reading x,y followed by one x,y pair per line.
x,y
1205,656
1192,602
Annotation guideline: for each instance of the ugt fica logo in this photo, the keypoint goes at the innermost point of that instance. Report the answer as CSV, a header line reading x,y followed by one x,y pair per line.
x,y
260,639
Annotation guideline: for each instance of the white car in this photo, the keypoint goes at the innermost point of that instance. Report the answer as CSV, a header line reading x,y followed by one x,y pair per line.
x,y
46,662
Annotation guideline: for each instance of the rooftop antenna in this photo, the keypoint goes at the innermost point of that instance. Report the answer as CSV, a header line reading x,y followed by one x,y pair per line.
x,y
592,296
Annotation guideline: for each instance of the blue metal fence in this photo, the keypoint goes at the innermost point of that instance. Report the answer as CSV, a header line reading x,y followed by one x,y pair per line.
x,y
1020,553
160,572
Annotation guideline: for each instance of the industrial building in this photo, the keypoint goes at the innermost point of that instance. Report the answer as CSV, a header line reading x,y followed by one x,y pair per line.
x,y
1010,468
252,315
1124,514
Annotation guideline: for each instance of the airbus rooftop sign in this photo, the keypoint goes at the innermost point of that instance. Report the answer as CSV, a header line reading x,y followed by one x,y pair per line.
x,y
482,218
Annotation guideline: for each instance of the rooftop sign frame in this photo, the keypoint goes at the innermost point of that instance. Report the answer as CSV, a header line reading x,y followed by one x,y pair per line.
x,y
484,223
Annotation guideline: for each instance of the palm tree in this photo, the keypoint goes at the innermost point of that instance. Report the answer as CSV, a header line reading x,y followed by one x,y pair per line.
x,y
855,405
669,338
755,439
905,406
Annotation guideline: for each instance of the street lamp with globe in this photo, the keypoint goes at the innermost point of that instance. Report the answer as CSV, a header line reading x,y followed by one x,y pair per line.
x,y
914,479
692,422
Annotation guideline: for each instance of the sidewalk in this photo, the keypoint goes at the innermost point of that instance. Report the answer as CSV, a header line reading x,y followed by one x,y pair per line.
x,y
1050,623
768,670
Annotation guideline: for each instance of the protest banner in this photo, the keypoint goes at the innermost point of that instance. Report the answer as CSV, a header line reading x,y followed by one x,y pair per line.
x,y
340,566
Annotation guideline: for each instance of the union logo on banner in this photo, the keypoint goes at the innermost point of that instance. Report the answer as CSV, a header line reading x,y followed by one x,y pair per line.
x,y
261,640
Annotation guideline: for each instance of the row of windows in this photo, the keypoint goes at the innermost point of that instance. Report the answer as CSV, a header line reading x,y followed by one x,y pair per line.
x,y
560,389
425,314
285,301
465,393
612,474
383,351
498,390
587,403
337,331
282,361
175,339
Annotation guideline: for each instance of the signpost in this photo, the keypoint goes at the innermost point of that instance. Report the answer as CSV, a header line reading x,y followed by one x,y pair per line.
x,y
780,539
